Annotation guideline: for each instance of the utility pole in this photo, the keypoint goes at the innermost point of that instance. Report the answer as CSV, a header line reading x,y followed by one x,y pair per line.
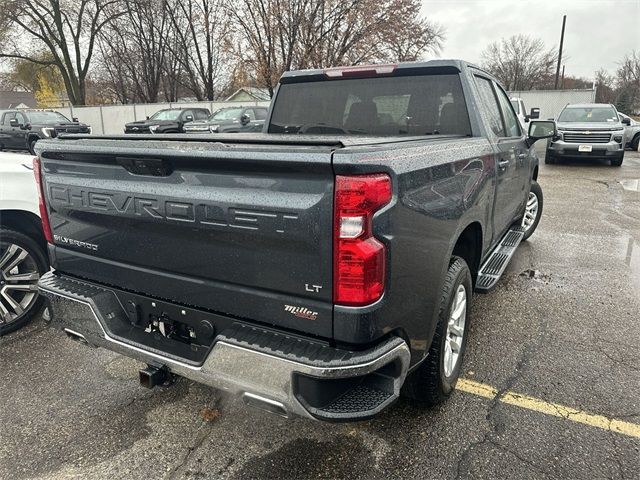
x,y
564,21
562,81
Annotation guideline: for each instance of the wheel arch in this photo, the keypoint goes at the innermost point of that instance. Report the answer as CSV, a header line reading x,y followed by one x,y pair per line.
x,y
24,222
469,247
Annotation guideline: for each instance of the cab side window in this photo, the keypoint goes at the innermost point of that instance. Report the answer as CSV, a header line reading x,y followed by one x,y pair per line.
x,y
510,120
261,113
491,108
8,117
250,114
21,119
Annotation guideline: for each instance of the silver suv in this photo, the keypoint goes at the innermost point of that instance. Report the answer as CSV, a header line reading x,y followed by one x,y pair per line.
x,y
591,130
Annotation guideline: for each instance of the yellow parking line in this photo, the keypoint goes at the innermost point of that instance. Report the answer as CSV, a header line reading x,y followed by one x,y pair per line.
x,y
548,408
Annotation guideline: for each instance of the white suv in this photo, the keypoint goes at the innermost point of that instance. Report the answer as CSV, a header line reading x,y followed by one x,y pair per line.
x,y
23,248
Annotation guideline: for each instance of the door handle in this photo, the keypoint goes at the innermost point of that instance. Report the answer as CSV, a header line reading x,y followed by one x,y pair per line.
x,y
522,156
503,164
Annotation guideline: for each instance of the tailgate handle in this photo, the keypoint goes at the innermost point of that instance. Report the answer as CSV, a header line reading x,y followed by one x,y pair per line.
x,y
155,167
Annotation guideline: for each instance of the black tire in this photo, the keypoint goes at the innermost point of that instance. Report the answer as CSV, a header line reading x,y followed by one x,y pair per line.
x,y
32,144
617,162
537,191
635,142
549,158
36,261
428,384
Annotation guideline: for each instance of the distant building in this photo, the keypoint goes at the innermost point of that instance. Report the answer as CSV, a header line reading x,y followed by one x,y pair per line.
x,y
17,100
249,94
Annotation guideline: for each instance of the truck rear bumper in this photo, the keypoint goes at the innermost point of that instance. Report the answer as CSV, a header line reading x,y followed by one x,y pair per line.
x,y
281,373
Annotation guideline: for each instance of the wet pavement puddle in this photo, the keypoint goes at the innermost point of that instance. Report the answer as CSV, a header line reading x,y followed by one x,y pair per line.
x,y
631,184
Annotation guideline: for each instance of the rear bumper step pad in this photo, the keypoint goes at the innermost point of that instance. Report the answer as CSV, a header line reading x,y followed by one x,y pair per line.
x,y
281,373
491,271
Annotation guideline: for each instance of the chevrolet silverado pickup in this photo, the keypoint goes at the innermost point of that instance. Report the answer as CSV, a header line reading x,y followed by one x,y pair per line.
x,y
21,129
322,267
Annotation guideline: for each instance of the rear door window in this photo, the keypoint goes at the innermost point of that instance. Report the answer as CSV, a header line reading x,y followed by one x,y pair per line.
x,y
490,106
510,120
379,106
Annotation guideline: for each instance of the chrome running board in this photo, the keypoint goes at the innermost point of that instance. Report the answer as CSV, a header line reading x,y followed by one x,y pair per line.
x,y
491,270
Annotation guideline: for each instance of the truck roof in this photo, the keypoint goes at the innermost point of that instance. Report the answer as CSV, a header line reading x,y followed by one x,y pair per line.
x,y
587,105
444,66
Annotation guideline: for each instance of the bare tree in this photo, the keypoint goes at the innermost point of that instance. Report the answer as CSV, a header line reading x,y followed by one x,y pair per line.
x,y
135,47
200,28
280,35
520,62
628,82
65,28
604,87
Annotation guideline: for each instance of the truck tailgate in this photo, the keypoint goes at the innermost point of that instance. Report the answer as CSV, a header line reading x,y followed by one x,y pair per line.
x,y
243,230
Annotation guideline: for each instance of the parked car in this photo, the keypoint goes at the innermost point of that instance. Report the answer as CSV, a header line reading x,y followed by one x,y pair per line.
x,y
631,131
591,130
23,247
21,129
169,120
317,268
521,112
231,120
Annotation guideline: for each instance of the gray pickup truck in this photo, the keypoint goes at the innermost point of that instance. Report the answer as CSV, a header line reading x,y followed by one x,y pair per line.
x,y
319,268
591,130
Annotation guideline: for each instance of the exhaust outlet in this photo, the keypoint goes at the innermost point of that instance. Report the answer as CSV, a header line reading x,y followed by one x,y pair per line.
x,y
266,404
77,337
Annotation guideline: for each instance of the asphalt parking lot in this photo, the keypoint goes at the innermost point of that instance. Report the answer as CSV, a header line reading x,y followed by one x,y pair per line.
x,y
550,389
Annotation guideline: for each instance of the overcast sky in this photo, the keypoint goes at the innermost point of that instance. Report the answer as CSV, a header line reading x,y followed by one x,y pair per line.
x,y
598,32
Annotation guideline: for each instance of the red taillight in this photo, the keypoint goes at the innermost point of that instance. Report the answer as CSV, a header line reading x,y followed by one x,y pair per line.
x,y
44,215
359,258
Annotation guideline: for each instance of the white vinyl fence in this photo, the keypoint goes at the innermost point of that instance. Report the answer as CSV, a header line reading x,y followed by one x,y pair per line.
x,y
551,102
110,119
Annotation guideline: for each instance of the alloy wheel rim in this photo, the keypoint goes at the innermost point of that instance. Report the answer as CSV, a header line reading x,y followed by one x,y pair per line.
x,y
18,282
455,331
530,212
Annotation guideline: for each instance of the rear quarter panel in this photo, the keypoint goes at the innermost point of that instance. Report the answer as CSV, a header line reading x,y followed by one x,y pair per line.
x,y
440,187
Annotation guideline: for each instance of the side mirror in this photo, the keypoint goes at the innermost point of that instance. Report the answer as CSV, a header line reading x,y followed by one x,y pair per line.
x,y
539,129
534,114
26,126
527,118
75,119
626,121
244,119
188,118
14,123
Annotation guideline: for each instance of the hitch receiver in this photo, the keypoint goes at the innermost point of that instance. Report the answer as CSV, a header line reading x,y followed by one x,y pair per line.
x,y
155,375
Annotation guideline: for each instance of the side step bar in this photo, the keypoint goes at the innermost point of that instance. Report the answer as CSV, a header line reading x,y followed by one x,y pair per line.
x,y
491,270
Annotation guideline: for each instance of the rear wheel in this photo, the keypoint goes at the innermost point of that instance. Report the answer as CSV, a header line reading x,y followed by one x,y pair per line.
x,y
435,378
635,142
22,262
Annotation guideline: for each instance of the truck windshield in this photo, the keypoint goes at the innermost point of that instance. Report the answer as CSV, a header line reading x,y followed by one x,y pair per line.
x,y
226,114
166,115
47,117
588,115
379,106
